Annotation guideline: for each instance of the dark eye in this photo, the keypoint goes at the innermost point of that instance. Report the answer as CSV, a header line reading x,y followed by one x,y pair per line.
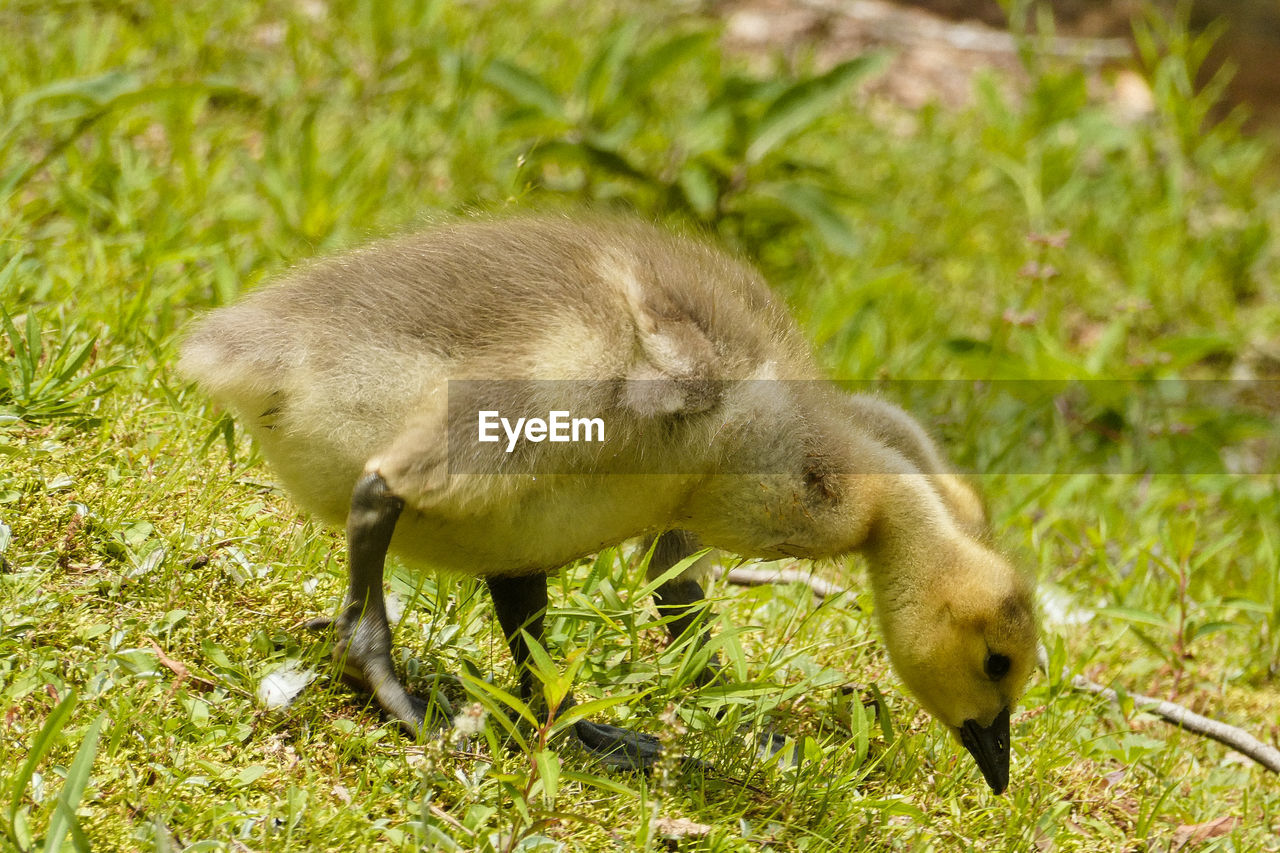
x,y
996,666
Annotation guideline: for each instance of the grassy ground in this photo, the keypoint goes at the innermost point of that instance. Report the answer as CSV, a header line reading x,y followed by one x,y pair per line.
x,y
157,158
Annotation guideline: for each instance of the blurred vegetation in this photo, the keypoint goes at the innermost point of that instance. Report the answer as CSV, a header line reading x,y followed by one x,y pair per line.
x,y
1246,35
156,159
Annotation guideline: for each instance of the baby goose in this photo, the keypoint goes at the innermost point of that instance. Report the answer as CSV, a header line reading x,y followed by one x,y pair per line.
x,y
366,379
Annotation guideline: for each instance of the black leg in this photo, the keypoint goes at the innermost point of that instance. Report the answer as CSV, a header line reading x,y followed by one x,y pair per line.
x,y
521,603
682,597
364,636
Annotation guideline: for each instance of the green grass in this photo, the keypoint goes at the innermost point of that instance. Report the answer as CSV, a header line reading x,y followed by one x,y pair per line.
x,y
156,159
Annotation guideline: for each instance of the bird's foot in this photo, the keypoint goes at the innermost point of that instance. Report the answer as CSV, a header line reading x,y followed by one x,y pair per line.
x,y
618,747
771,746
365,658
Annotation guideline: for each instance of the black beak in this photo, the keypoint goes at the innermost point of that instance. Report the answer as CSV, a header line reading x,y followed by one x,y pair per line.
x,y
990,748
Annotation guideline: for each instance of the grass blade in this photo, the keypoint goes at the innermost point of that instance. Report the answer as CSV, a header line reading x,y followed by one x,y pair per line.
x,y
68,365
64,813
44,739
670,574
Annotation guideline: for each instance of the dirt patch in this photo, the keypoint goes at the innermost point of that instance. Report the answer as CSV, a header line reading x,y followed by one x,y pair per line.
x,y
941,44
1250,43
935,59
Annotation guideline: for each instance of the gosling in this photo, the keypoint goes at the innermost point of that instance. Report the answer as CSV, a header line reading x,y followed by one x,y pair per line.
x,y
365,377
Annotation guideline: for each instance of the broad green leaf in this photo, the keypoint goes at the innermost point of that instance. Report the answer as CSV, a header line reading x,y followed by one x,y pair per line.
x,y
98,90
814,206
804,102
882,713
1209,628
599,82
662,58
555,685
548,764
249,775
603,783
524,87
590,708
592,156
20,829
699,189
497,701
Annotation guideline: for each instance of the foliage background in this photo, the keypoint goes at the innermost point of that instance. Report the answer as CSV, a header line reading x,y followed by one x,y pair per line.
x,y
156,159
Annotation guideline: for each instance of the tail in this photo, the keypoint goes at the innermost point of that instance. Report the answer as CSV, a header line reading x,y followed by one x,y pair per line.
x,y
239,356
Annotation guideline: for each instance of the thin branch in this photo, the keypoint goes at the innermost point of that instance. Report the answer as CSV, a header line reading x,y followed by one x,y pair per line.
x,y
747,576
1238,739
912,27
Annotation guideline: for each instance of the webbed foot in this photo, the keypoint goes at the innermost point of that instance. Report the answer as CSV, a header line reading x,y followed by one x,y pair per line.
x,y
363,651
618,747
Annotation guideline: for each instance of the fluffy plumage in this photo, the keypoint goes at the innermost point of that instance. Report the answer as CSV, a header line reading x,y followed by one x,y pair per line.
x,y
718,426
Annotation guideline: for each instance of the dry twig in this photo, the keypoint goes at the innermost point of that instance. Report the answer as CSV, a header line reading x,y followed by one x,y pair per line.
x,y
747,576
893,24
1238,739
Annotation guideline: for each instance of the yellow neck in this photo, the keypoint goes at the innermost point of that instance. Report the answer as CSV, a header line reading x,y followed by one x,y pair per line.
x,y
912,540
